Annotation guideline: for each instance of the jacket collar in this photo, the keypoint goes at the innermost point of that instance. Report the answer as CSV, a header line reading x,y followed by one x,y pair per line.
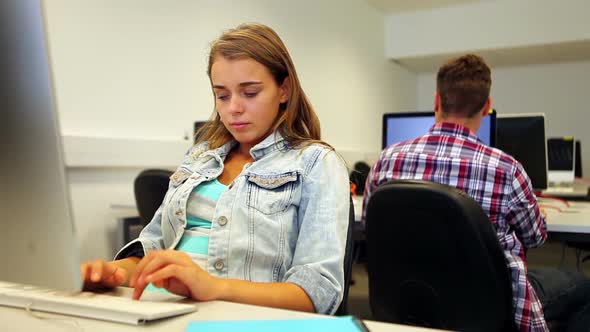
x,y
274,141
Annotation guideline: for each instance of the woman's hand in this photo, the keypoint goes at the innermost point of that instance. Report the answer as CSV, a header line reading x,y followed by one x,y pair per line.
x,y
101,274
176,272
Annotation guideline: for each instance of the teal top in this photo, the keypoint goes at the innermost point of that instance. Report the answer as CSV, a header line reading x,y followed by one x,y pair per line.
x,y
200,211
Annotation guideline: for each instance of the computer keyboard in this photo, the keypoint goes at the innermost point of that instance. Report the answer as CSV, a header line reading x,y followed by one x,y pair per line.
x,y
559,189
576,189
115,308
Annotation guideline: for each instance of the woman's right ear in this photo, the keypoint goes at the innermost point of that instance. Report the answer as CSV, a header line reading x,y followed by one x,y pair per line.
x,y
285,90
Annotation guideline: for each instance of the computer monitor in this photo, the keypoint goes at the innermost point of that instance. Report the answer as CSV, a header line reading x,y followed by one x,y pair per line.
x,y
523,137
398,127
578,168
561,155
37,236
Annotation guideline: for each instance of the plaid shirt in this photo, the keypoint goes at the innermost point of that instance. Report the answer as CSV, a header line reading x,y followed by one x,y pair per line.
x,y
451,154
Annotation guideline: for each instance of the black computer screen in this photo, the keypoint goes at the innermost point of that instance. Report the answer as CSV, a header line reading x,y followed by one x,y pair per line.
x,y
523,137
578,168
398,127
560,154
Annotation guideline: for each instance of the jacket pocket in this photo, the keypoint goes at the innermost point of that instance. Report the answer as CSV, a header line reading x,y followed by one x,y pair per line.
x,y
271,193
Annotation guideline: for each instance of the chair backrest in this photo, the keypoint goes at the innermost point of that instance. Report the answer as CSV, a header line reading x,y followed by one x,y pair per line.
x,y
578,167
348,258
434,259
150,187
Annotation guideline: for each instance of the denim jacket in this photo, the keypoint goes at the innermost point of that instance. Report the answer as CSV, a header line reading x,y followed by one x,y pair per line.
x,y
283,219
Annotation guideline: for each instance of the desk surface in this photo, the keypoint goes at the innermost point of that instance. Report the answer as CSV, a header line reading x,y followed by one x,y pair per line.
x,y
561,218
570,217
357,202
14,319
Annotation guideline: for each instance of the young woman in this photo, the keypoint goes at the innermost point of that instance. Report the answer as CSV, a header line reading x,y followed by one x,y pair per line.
x,y
258,210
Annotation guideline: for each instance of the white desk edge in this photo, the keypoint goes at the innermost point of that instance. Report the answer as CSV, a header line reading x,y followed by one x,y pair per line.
x,y
575,219
16,319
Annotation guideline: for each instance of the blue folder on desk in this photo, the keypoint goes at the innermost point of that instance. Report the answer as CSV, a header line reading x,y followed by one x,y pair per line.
x,y
341,324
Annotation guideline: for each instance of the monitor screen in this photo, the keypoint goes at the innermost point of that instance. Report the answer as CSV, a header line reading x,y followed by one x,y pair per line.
x,y
560,160
398,127
560,153
37,240
578,160
523,137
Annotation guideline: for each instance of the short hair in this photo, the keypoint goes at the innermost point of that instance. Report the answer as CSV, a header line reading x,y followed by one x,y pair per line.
x,y
464,85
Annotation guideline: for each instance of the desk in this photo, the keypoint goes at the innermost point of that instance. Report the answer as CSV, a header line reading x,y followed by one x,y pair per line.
x,y
13,319
571,223
357,202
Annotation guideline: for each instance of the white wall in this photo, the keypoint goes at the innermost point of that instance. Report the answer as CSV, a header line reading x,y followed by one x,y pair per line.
x,y
558,90
485,25
93,192
135,70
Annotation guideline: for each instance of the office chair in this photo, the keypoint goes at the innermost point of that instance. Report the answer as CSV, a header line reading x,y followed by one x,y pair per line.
x,y
358,176
150,187
434,260
348,259
578,166
579,247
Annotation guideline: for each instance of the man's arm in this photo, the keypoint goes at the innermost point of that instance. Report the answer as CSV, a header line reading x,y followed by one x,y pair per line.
x,y
524,214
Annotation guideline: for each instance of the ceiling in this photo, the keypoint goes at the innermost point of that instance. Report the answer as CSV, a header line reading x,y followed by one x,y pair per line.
x,y
397,6
516,56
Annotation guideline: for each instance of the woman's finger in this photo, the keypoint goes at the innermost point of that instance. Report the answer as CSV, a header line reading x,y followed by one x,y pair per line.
x,y
165,273
152,263
139,268
160,282
187,280
84,274
141,265
176,279
138,290
156,260
96,269
115,278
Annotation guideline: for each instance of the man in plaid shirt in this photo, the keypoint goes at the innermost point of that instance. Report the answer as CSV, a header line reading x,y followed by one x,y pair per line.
x,y
450,153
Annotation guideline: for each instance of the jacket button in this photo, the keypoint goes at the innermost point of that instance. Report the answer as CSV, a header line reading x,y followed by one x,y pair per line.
x,y
219,265
222,221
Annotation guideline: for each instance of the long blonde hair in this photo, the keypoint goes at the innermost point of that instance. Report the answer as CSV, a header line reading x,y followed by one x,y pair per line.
x,y
297,121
